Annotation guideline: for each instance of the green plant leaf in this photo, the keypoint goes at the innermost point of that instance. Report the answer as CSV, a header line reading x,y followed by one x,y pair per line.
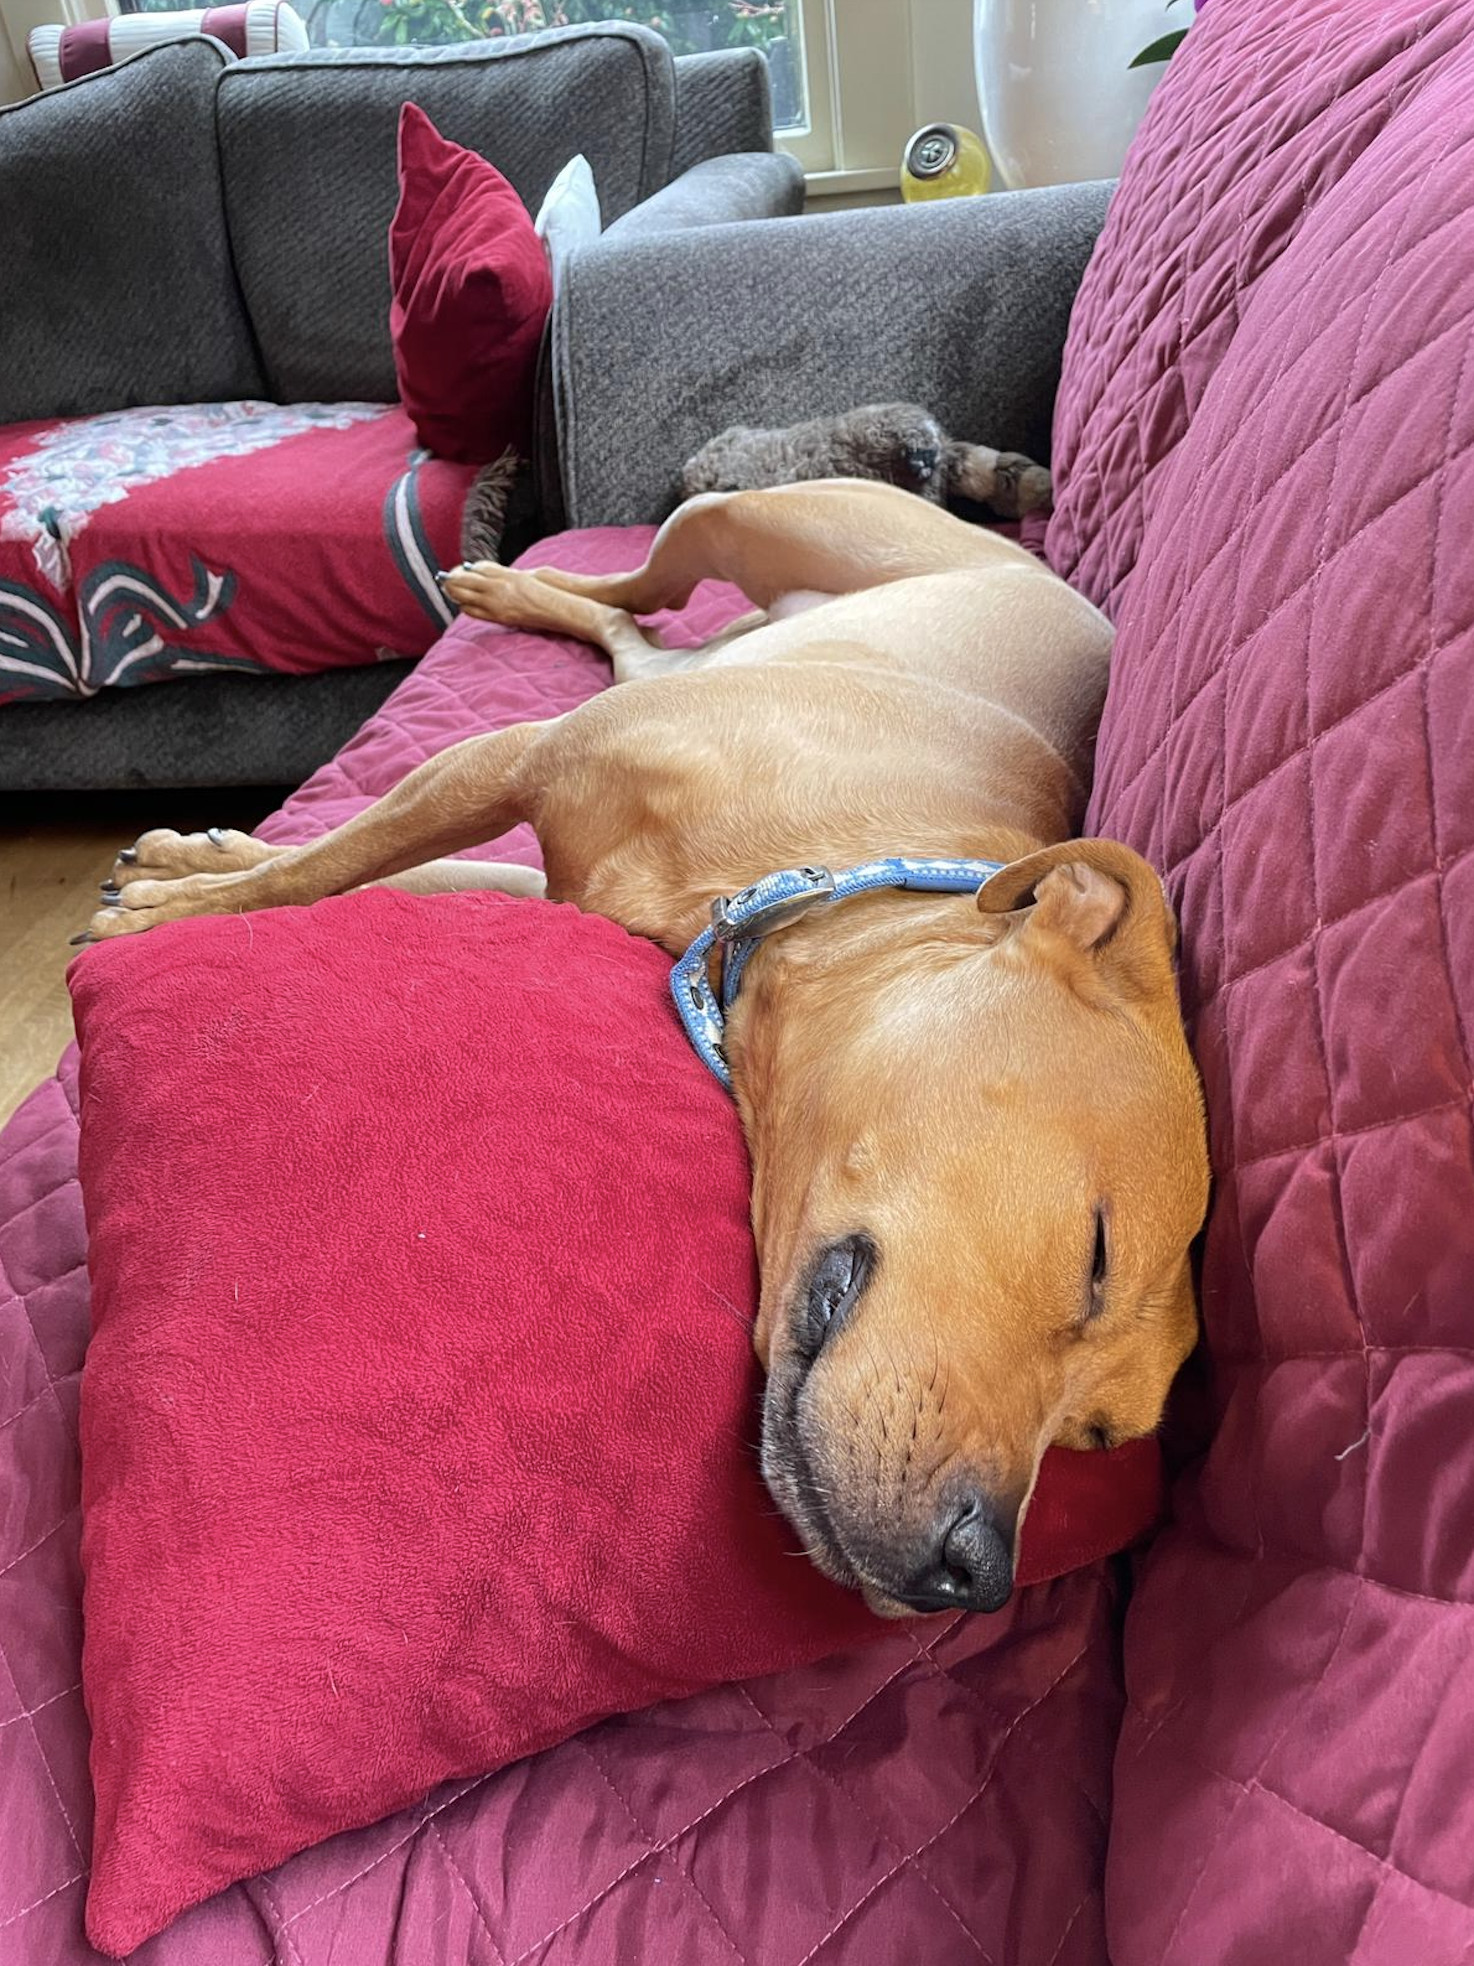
x,y
1160,50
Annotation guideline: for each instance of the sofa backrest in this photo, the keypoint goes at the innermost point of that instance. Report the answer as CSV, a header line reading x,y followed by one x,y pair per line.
x,y
1266,443
112,294
724,103
307,146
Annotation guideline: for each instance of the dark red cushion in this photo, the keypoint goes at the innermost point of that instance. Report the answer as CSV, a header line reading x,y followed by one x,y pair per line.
x,y
471,295
417,1418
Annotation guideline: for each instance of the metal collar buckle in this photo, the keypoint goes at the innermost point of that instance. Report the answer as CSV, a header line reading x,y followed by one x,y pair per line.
x,y
771,903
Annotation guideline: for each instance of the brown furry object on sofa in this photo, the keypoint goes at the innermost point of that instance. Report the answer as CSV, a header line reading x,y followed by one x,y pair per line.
x,y
899,443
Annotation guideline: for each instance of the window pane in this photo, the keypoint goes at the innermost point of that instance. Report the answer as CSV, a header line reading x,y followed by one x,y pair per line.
x,y
691,27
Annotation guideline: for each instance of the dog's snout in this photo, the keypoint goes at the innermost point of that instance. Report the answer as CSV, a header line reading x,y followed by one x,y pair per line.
x,y
970,1564
921,461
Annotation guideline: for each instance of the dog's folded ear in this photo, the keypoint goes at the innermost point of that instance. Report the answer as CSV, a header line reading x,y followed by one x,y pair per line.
x,y
1101,898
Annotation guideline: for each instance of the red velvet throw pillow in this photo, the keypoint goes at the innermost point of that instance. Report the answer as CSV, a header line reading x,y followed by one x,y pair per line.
x,y
417,1418
471,293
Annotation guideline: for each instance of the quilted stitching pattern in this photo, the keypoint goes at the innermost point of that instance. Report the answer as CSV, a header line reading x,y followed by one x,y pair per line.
x,y
1230,165
1270,417
941,1801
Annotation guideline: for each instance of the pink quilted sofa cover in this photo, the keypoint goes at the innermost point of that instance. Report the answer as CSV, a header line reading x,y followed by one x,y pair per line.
x,y
931,1799
1265,437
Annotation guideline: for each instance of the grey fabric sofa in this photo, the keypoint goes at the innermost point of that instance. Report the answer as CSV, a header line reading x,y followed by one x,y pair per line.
x,y
961,306
188,229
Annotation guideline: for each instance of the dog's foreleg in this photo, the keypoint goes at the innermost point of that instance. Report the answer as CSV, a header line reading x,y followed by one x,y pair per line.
x,y
470,793
166,855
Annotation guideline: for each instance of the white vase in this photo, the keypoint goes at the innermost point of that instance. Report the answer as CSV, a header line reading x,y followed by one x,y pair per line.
x,y
1059,99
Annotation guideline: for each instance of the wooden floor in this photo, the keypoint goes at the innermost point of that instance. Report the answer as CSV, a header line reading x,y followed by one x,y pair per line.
x,y
54,850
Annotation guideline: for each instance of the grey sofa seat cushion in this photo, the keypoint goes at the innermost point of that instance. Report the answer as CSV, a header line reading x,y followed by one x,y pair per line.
x,y
205,730
110,294
308,150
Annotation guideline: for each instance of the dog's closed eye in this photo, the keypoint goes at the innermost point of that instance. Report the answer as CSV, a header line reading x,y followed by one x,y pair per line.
x,y
1100,1262
835,1284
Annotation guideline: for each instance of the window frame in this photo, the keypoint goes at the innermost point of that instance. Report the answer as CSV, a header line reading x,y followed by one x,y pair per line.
x,y
862,106
18,17
868,65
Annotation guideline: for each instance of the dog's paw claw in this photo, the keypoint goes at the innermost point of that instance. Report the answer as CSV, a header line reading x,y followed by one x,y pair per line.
x,y
216,838
76,941
128,855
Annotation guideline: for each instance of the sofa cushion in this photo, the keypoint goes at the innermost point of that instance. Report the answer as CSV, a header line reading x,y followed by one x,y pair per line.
x,y
156,542
314,136
254,27
1270,418
472,289
569,218
112,294
1160,304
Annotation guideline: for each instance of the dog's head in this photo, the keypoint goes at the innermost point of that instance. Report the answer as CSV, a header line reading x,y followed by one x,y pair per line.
x,y
979,1163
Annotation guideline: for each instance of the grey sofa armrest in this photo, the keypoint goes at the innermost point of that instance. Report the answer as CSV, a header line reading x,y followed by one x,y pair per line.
x,y
724,102
750,184
659,343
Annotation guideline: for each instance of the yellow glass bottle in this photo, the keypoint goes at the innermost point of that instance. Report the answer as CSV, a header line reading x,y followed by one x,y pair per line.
x,y
944,161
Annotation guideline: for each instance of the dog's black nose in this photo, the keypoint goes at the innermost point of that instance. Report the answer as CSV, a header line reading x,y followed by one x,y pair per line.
x,y
921,463
971,1563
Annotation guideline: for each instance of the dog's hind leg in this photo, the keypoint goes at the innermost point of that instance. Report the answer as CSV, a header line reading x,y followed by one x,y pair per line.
x,y
512,597
517,598
474,791
827,536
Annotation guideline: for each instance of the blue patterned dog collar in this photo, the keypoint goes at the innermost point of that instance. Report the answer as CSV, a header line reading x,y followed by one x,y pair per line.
x,y
740,921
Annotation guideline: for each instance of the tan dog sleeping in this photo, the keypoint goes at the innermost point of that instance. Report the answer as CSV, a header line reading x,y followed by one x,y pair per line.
x,y
976,1131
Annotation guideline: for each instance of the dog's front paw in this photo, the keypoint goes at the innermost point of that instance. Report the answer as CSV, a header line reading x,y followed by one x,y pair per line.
x,y
166,855
145,903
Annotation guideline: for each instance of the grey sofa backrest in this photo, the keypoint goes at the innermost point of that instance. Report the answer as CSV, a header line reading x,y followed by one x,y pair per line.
x,y
307,146
111,295
724,104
